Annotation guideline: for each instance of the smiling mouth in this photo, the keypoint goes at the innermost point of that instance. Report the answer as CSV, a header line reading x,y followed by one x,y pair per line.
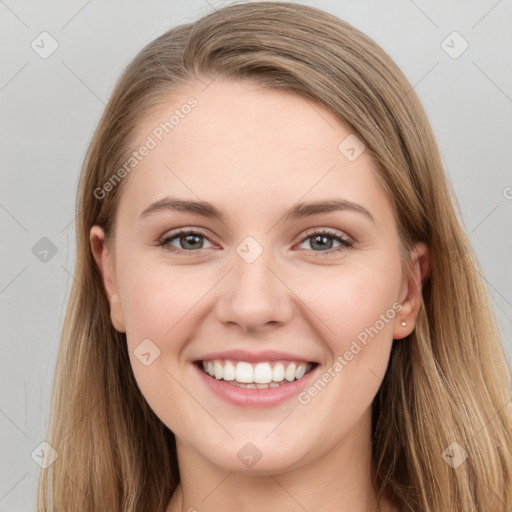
x,y
270,374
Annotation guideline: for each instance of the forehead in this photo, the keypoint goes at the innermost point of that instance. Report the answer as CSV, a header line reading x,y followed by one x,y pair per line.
x,y
242,145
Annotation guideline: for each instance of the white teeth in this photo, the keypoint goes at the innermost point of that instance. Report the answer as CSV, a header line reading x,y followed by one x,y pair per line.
x,y
262,373
278,372
217,368
229,371
244,373
289,374
260,376
299,372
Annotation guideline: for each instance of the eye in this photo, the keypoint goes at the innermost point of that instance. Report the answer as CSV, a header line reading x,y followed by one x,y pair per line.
x,y
189,240
320,239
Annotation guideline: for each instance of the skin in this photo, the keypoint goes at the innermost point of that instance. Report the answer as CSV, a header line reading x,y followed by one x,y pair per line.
x,y
254,153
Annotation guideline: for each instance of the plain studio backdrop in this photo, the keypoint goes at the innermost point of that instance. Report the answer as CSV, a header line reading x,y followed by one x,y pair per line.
x,y
60,61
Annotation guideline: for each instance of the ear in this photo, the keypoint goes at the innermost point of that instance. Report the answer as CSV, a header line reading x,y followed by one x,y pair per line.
x,y
104,258
411,291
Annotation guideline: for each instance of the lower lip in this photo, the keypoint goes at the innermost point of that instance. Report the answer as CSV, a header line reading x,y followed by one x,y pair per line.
x,y
257,398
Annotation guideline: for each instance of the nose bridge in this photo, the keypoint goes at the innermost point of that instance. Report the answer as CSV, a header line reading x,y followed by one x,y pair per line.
x,y
253,295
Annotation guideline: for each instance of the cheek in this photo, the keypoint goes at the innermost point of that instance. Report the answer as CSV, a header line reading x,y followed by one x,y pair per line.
x,y
348,302
156,299
158,305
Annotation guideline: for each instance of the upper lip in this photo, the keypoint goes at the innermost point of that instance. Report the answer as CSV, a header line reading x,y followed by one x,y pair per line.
x,y
253,357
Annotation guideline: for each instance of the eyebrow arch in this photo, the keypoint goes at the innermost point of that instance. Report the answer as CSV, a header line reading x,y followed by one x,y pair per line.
x,y
298,211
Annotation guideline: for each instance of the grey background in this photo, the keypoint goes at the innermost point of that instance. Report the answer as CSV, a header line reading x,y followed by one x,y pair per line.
x,y
50,108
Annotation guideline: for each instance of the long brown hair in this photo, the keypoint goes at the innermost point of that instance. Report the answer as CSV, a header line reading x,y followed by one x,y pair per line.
x,y
447,382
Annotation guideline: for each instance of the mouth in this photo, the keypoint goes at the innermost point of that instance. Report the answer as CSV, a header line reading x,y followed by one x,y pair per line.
x,y
261,375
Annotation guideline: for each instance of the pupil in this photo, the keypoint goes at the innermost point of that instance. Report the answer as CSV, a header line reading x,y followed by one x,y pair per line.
x,y
188,237
323,243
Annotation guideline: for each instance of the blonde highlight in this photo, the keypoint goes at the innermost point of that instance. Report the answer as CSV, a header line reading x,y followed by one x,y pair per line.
x,y
448,381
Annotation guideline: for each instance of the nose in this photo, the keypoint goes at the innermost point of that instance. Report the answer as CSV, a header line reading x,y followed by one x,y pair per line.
x,y
254,295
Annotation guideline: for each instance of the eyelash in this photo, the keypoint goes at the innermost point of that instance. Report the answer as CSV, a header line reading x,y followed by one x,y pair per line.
x,y
345,242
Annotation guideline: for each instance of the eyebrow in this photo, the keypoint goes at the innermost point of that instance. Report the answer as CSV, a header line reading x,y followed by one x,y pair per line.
x,y
298,211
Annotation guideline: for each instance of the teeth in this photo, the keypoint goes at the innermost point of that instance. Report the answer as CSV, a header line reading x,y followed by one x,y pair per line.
x,y
289,374
278,372
300,371
229,371
262,373
217,369
244,373
259,376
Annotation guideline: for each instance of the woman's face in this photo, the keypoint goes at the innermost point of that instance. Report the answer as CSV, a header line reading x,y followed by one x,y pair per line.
x,y
258,288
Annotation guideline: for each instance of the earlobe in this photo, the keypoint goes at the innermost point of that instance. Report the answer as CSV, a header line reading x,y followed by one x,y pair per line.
x,y
419,271
104,260
116,313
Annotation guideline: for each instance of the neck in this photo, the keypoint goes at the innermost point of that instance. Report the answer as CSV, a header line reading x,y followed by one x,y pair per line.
x,y
339,479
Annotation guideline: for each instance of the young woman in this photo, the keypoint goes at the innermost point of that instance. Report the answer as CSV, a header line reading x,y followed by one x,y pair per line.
x,y
275,304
